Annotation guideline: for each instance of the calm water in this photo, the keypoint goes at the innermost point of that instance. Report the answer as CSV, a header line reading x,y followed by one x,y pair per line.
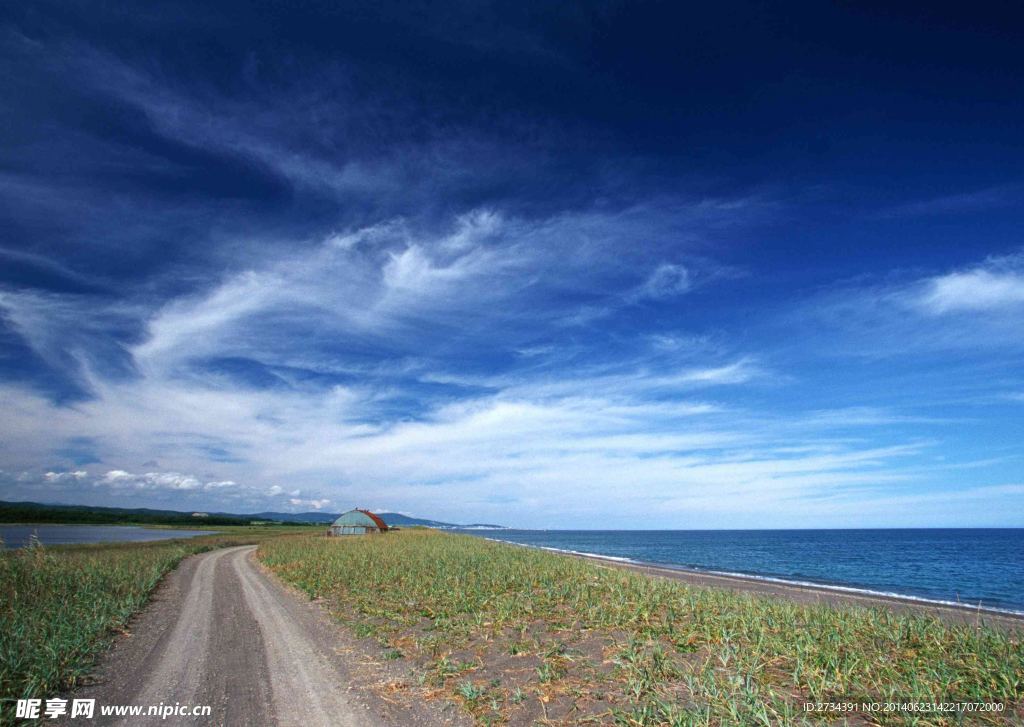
x,y
15,536
967,566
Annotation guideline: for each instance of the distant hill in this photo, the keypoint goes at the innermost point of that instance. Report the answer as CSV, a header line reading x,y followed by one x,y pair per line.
x,y
36,512
295,517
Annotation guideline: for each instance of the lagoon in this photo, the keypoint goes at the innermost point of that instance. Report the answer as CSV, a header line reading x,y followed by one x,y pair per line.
x,y
17,536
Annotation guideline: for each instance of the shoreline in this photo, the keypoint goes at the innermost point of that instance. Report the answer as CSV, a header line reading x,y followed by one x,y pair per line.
x,y
799,591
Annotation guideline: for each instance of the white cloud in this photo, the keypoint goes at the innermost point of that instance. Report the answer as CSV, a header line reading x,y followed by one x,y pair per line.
x,y
737,372
973,290
220,484
412,272
151,480
635,381
977,307
341,288
380,234
392,284
75,476
123,484
473,228
515,455
195,324
315,504
667,280
155,481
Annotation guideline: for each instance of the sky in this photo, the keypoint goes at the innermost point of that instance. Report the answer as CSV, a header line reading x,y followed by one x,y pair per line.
x,y
552,265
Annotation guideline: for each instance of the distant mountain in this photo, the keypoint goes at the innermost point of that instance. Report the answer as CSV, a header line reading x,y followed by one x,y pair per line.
x,y
39,512
396,519
295,517
36,512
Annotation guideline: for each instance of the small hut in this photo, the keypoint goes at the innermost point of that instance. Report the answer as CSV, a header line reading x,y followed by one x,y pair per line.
x,y
357,522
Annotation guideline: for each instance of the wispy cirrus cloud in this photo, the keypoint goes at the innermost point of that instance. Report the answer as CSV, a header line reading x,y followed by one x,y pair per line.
x,y
666,281
978,305
390,279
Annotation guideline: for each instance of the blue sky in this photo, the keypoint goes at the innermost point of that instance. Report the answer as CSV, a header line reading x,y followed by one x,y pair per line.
x,y
544,264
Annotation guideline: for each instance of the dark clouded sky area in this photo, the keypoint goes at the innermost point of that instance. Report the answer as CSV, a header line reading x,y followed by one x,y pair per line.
x,y
546,264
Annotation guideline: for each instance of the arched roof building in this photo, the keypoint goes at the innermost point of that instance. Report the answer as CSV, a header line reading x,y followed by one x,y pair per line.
x,y
357,522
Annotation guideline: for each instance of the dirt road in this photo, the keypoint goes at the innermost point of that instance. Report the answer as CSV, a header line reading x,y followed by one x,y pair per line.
x,y
220,632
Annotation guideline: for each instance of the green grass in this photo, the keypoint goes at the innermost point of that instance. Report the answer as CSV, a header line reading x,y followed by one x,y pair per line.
x,y
61,605
513,633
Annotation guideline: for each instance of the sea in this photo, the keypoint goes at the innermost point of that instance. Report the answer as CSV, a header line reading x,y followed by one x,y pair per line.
x,y
968,567
17,536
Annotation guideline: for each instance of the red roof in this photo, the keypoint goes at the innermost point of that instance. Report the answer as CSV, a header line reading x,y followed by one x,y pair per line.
x,y
380,523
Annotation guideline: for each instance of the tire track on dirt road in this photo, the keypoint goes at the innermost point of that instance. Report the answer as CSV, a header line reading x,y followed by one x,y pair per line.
x,y
221,632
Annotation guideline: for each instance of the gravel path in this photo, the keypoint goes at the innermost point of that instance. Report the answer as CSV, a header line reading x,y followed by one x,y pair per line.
x,y
220,632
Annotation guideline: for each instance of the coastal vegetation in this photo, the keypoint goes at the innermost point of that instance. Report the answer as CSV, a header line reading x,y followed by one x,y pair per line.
x,y
34,512
521,636
62,605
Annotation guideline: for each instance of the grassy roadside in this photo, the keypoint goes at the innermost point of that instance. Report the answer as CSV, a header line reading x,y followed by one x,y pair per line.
x,y
522,636
61,605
